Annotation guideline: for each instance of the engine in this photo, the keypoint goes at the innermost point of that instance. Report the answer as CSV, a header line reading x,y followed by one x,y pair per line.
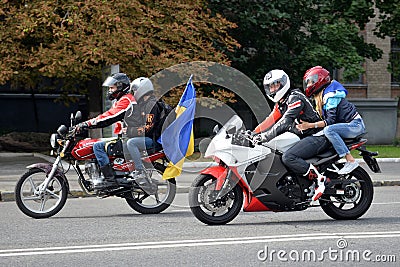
x,y
288,186
92,170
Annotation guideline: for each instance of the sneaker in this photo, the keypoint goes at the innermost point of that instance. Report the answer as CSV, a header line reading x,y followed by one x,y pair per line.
x,y
348,167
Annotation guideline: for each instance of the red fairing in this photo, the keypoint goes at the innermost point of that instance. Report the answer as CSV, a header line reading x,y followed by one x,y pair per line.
x,y
218,172
254,205
83,150
251,203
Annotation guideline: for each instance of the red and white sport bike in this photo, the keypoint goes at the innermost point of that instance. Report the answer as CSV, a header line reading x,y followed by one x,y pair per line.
x,y
42,191
253,176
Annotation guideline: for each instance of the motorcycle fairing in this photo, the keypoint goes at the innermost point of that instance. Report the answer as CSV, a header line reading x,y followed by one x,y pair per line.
x,y
264,183
219,172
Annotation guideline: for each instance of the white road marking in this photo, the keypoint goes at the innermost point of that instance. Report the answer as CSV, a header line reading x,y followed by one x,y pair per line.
x,y
386,203
192,243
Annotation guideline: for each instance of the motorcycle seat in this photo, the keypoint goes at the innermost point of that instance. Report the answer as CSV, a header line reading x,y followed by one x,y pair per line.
x,y
331,153
356,139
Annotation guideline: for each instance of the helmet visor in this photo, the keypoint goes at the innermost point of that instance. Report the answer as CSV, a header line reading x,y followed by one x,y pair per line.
x,y
309,81
273,87
109,82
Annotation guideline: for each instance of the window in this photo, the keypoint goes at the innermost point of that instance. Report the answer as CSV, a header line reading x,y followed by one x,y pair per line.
x,y
395,61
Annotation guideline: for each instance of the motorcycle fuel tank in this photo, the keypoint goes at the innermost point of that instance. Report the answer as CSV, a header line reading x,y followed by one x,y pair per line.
x,y
83,150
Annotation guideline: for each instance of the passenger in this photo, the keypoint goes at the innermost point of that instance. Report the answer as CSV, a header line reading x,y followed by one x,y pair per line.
x,y
142,122
340,117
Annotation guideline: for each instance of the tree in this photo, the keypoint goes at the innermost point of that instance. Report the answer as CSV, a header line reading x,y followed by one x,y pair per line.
x,y
71,41
388,25
296,34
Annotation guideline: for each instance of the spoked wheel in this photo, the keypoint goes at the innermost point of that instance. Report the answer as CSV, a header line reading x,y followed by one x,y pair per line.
x,y
154,201
355,201
210,208
38,203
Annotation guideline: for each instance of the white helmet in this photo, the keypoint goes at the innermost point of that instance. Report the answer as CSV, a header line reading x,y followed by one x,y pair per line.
x,y
274,77
140,87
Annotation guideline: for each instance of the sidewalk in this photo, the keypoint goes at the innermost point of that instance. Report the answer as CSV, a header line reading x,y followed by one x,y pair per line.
x,y
13,166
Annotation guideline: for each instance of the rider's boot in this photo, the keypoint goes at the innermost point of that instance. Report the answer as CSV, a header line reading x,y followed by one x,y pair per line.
x,y
108,173
319,180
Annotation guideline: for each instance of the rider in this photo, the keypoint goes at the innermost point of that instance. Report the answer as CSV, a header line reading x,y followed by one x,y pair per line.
x,y
291,107
142,123
118,89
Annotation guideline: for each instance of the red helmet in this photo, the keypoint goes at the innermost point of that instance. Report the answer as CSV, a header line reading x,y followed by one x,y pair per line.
x,y
315,79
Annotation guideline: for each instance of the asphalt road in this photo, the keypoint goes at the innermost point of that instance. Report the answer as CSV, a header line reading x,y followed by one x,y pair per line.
x,y
106,232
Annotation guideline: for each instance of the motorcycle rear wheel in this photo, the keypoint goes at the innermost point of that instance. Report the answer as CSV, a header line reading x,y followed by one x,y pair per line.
x,y
37,205
356,200
145,203
218,212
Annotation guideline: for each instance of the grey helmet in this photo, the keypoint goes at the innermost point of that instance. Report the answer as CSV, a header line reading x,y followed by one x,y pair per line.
x,y
141,87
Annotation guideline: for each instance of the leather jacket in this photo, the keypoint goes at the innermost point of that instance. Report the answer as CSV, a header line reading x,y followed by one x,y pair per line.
x,y
114,115
142,118
293,108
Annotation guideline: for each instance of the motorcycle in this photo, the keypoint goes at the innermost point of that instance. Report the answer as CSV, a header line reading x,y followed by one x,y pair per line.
x,y
42,191
252,175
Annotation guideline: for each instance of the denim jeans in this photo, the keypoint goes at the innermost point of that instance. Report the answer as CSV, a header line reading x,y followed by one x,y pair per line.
x,y
336,132
100,153
134,145
308,147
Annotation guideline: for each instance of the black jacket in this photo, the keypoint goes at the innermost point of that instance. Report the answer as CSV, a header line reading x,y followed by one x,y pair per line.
x,y
142,118
287,113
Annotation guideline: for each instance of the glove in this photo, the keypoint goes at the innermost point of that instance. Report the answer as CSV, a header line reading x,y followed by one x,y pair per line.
x,y
257,139
81,127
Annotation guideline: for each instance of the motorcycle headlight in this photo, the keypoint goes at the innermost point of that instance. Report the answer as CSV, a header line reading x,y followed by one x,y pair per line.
x,y
53,141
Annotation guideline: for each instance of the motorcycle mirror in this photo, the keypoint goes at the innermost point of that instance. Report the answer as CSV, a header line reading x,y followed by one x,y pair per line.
x,y
78,116
216,129
62,130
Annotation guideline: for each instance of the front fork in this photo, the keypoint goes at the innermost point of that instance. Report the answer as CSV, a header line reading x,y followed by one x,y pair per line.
x,y
54,170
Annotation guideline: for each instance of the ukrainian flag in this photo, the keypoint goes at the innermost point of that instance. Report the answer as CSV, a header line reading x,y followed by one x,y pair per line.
x,y
177,139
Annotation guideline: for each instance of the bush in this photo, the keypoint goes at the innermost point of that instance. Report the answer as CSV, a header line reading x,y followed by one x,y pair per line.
x,y
25,142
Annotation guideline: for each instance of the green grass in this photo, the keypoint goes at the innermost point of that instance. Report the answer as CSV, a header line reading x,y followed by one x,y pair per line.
x,y
387,151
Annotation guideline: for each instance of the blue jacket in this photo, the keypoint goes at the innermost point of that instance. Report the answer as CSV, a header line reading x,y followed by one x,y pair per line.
x,y
336,108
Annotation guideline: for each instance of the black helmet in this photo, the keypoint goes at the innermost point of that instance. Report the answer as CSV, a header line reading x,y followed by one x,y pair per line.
x,y
122,82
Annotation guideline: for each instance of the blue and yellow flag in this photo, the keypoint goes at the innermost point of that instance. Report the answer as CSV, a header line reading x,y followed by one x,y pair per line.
x,y
177,139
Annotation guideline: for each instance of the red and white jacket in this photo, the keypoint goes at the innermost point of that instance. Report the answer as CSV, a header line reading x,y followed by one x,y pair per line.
x,y
115,114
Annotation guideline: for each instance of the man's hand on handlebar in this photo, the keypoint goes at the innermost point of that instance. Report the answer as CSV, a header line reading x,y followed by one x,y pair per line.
x,y
81,127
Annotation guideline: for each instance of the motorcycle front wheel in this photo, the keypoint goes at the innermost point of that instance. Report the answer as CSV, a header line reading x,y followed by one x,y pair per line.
x,y
354,202
210,208
38,204
153,202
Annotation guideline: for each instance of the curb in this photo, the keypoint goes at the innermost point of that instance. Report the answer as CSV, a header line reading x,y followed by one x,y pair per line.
x,y
8,196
